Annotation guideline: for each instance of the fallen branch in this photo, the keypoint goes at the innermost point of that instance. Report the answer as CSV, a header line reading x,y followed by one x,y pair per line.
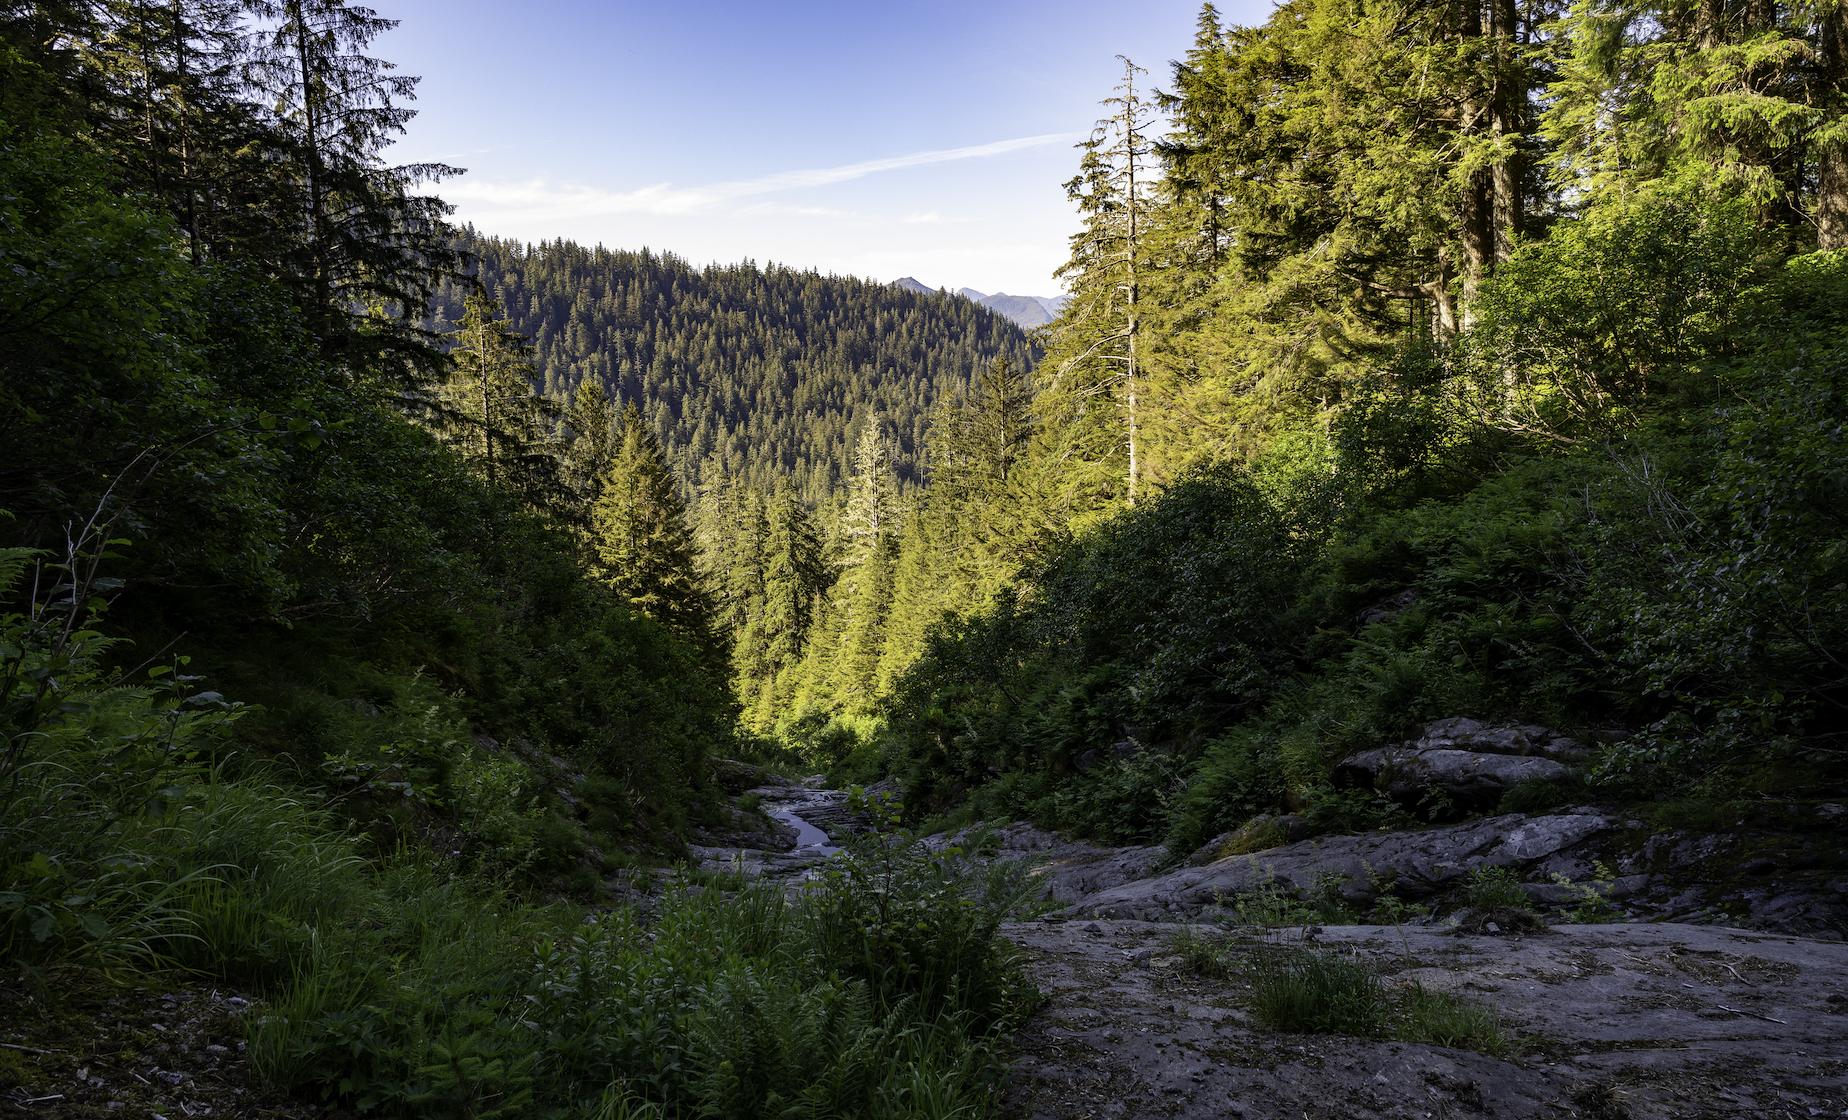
x,y
29,1049
1751,1014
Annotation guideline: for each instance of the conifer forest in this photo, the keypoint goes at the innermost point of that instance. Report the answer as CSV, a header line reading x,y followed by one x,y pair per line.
x,y
1381,650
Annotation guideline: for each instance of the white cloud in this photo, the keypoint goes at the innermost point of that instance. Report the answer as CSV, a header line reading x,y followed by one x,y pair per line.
x,y
927,218
784,209
564,201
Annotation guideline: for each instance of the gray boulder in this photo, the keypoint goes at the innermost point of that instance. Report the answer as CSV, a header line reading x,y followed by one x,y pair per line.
x,y
1415,865
1465,760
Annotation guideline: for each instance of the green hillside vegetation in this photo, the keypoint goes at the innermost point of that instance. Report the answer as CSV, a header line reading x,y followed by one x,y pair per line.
x,y
747,375
341,668
1514,391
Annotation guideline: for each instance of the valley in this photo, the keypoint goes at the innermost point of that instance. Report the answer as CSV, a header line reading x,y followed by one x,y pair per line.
x,y
1370,646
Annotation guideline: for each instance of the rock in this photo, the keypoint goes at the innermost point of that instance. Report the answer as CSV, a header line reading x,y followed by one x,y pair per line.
x,y
1692,1023
1068,870
1255,835
1416,864
735,777
1518,739
1388,608
1465,760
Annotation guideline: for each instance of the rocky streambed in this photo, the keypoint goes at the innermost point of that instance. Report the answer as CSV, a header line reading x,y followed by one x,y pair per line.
x,y
1697,993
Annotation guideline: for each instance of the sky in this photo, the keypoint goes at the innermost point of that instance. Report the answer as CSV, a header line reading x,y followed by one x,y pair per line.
x,y
877,138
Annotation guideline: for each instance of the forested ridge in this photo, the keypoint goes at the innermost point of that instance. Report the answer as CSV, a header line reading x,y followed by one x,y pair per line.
x,y
384,607
748,375
344,670
1422,360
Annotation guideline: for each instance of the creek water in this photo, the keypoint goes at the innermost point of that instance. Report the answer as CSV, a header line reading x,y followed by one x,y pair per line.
x,y
808,837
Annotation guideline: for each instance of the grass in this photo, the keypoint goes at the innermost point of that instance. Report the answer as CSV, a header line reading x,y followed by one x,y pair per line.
x,y
1301,990
1305,991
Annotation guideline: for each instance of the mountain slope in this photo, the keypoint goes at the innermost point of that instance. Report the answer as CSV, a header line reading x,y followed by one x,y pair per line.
x,y
1028,311
744,372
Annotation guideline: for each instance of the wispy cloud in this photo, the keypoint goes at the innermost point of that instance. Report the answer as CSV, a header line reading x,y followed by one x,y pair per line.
x,y
927,218
578,201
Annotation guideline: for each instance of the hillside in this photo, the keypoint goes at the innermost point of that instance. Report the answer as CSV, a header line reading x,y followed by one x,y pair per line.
x,y
745,373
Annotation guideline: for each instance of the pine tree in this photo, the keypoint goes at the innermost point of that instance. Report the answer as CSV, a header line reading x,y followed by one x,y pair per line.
x,y
489,409
794,576
1097,361
593,435
367,253
643,545
872,502
172,70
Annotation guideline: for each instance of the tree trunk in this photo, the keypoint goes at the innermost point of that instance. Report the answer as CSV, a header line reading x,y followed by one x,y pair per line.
x,y
1508,101
1476,212
1832,170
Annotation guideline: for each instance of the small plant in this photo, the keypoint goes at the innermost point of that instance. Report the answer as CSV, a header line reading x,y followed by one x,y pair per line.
x,y
1273,905
1495,888
1592,901
1201,955
1308,991
1320,991
1446,1020
1497,903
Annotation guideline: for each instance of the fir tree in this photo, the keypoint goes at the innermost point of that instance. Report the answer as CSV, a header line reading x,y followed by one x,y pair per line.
x,y
365,252
643,545
489,408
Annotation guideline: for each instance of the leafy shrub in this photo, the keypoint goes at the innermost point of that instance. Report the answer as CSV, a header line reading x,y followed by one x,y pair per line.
x,y
1495,888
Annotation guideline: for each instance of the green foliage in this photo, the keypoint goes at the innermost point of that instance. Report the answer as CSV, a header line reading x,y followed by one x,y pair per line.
x,y
1445,1019
1592,901
1321,991
1309,991
745,374
1495,888
410,986
1148,630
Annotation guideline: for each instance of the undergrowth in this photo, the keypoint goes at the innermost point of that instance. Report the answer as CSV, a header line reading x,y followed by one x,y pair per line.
x,y
423,982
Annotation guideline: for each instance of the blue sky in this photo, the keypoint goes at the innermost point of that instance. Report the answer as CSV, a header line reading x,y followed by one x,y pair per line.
x,y
880,138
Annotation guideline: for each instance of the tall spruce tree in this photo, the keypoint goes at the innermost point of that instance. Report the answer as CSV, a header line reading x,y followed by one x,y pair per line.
x,y
593,437
489,408
644,547
1096,371
366,252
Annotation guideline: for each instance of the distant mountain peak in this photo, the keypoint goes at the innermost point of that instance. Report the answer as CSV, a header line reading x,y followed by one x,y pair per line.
x,y
1028,311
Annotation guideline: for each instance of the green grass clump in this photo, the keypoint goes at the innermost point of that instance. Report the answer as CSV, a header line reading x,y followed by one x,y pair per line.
x,y
1202,955
1495,888
1321,991
1317,992
1447,1020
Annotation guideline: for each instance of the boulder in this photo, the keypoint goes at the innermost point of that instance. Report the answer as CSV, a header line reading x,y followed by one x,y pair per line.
x,y
1255,835
1469,762
1066,870
1415,864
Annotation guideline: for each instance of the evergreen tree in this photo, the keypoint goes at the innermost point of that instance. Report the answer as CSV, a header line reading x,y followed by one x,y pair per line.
x,y
593,437
872,502
1095,370
753,376
643,545
364,251
794,577
489,408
